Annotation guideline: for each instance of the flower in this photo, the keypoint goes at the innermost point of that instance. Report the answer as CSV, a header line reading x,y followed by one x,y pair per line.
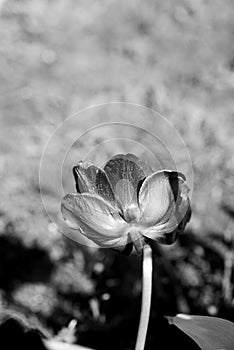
x,y
126,203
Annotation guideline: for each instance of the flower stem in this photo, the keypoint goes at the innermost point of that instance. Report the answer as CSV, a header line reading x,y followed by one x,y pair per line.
x,y
146,297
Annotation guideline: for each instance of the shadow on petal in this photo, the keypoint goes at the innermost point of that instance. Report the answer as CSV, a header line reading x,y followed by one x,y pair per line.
x,y
125,173
91,179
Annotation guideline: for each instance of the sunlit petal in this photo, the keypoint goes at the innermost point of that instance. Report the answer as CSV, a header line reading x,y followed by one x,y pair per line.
x,y
159,196
98,220
167,231
155,197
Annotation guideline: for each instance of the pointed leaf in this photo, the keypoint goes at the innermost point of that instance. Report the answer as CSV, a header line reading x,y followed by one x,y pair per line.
x,y
210,333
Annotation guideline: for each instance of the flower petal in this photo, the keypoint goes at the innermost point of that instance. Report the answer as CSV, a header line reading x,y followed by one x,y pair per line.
x,y
155,198
97,219
167,231
143,165
158,194
89,178
126,175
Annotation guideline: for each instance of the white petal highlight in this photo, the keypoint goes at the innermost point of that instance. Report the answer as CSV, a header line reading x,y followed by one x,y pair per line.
x,y
155,198
98,220
172,224
165,206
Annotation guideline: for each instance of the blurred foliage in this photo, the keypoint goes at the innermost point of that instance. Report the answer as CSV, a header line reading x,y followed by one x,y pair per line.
x,y
60,56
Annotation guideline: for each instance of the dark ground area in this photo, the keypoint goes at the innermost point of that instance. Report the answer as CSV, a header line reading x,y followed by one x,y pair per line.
x,y
57,57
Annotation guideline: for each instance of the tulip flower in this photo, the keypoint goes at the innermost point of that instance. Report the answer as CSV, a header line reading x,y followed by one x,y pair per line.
x,y
126,203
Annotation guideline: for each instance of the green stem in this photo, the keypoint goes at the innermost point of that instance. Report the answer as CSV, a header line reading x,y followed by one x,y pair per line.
x,y
146,297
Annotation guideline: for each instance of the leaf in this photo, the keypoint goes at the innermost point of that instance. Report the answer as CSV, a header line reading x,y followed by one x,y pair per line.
x,y
210,333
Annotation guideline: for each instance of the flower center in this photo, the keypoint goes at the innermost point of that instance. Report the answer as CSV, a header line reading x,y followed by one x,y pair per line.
x,y
132,213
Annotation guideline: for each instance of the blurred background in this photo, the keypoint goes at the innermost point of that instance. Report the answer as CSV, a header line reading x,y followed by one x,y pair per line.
x,y
57,57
